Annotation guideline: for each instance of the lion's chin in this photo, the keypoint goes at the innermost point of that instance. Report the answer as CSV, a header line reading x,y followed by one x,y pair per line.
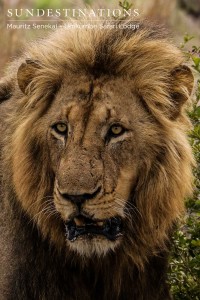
x,y
87,236
87,247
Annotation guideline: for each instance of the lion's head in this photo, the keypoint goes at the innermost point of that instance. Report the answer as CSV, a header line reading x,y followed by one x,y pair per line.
x,y
97,143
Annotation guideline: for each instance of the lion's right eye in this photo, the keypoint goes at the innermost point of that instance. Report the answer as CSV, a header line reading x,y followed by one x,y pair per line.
x,y
116,130
60,128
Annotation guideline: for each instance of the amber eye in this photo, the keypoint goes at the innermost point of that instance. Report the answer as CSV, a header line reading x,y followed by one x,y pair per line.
x,y
60,128
116,130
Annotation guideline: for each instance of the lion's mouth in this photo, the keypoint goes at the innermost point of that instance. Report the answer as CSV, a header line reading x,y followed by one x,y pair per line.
x,y
80,226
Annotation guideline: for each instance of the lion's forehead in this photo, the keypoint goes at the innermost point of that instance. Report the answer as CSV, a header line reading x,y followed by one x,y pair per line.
x,y
97,102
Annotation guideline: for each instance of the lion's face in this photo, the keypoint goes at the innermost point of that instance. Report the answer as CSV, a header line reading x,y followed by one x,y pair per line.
x,y
96,139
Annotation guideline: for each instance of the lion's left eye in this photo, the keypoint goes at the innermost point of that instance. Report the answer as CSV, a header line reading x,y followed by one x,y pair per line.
x,y
116,130
60,128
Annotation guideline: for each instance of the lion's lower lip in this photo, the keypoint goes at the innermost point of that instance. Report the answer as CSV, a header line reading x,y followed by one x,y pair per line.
x,y
79,226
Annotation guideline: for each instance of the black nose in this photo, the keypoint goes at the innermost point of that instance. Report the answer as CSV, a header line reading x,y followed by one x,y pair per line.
x,y
79,199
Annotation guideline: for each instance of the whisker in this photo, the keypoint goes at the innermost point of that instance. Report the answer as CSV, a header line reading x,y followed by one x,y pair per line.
x,y
46,198
129,209
129,205
51,214
46,207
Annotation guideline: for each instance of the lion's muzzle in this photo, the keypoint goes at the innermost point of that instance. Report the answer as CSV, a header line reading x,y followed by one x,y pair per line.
x,y
81,224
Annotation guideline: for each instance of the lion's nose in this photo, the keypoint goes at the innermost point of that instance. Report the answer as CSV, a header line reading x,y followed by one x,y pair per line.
x,y
80,198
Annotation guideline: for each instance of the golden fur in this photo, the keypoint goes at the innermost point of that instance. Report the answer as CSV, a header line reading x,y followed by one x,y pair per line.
x,y
92,78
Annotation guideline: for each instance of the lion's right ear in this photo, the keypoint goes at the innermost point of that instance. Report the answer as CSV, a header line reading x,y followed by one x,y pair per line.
x,y
26,73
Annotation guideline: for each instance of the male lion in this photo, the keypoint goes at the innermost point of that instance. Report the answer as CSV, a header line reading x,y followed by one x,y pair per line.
x,y
95,165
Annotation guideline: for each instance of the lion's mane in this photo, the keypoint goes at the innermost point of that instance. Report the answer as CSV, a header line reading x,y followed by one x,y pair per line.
x,y
163,86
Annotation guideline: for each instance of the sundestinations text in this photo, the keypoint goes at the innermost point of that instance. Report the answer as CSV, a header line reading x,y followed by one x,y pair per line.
x,y
71,13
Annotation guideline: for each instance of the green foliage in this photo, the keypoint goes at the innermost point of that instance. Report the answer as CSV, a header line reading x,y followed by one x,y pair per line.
x,y
184,273
186,39
125,4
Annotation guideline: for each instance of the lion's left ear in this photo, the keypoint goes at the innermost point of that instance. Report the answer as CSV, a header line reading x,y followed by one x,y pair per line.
x,y
181,85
